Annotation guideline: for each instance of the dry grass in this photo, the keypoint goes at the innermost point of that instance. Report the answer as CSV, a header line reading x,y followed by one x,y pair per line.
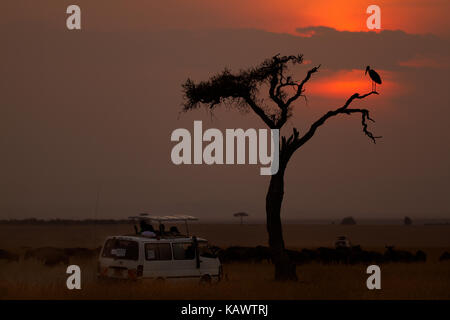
x,y
28,279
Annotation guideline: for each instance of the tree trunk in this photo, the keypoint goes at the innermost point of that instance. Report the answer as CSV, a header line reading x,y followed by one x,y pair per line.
x,y
284,268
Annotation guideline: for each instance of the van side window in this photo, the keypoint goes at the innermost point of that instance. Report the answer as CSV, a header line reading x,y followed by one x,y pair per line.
x,y
158,251
183,251
121,249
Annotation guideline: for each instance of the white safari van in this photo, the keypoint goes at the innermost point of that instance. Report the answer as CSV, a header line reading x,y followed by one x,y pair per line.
x,y
150,254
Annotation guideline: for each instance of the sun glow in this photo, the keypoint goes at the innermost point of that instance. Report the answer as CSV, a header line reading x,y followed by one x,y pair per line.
x,y
345,83
350,15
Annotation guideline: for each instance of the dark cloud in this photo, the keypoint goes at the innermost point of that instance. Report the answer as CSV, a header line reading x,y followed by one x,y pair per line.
x,y
386,49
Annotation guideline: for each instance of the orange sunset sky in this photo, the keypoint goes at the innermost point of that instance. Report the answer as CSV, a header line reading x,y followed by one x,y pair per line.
x,y
91,110
414,17
285,16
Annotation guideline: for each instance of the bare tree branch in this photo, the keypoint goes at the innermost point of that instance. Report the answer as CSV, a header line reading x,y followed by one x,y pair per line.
x,y
285,108
276,97
300,86
260,112
298,142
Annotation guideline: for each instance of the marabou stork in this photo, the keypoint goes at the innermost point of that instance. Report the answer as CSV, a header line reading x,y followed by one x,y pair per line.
x,y
375,78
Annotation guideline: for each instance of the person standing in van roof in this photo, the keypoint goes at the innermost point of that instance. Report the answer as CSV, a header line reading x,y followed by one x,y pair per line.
x,y
146,226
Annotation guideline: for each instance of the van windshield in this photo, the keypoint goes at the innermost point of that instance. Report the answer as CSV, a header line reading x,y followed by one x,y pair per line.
x,y
121,249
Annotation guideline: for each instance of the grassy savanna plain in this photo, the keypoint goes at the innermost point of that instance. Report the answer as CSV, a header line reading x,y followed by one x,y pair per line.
x,y
30,279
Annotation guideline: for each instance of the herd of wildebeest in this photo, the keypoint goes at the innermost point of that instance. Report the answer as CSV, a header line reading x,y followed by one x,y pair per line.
x,y
51,256
352,255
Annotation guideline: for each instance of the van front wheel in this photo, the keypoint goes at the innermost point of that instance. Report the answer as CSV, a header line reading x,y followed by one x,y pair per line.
x,y
205,279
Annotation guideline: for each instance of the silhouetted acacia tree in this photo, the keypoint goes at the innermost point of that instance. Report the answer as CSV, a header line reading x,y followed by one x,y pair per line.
x,y
240,215
242,90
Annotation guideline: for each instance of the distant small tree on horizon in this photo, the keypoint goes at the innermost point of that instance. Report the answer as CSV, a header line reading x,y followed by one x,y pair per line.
x,y
241,215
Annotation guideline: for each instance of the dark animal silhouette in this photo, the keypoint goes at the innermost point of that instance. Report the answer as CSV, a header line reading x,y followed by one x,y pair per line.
x,y
8,256
48,255
445,256
392,255
235,253
375,78
260,254
421,256
82,253
244,254
352,255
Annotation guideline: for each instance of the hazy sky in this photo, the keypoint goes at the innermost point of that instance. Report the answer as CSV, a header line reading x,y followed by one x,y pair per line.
x,y
93,110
